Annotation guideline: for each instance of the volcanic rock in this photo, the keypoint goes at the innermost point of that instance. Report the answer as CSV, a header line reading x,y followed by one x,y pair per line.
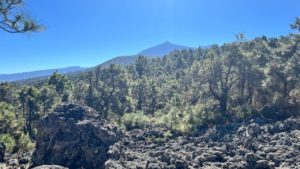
x,y
74,136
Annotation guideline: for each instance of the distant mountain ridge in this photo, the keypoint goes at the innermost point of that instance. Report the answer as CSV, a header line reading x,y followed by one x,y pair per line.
x,y
38,73
155,51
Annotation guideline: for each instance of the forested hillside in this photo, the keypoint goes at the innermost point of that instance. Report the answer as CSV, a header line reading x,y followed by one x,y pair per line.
x,y
184,91
152,52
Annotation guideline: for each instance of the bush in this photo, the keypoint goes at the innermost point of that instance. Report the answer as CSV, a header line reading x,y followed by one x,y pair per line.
x,y
9,142
24,143
135,120
244,111
174,119
187,120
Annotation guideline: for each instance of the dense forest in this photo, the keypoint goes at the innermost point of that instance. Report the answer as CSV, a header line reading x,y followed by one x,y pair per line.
x,y
184,91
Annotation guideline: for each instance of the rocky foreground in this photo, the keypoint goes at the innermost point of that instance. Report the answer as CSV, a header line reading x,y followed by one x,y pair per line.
x,y
75,137
255,144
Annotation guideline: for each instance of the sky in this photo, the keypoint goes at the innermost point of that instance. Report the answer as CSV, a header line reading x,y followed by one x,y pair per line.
x,y
88,32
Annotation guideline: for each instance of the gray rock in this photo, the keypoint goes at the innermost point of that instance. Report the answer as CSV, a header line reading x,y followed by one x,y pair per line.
x,y
25,158
114,151
181,164
74,136
280,126
50,167
156,153
166,157
110,164
253,129
154,166
13,162
292,123
251,157
207,157
264,164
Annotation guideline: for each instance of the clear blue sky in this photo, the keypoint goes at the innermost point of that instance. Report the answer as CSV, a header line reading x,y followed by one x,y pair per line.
x,y
88,32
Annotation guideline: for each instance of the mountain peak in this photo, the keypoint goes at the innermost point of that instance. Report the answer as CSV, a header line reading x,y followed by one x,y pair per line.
x,y
167,42
162,49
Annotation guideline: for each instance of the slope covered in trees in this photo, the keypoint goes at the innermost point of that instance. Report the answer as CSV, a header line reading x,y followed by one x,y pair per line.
x,y
183,91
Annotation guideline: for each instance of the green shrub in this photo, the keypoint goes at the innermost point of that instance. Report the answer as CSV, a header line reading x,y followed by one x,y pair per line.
x,y
244,111
173,119
187,120
9,142
135,120
25,144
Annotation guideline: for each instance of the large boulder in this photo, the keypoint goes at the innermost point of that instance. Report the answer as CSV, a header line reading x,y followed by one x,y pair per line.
x,y
2,151
74,136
